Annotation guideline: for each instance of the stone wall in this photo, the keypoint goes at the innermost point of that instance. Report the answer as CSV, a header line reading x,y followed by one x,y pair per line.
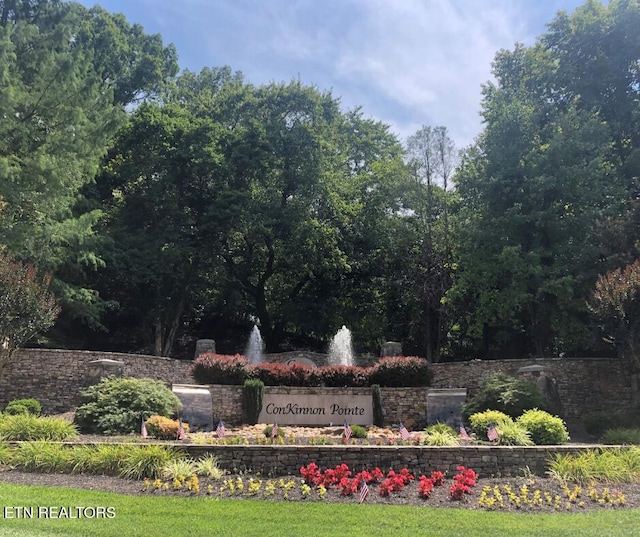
x,y
55,378
582,384
286,460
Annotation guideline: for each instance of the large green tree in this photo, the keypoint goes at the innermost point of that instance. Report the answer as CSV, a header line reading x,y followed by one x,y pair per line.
x,y
66,75
558,154
265,203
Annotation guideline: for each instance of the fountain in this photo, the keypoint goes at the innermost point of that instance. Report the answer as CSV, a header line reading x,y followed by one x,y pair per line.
x,y
254,346
340,348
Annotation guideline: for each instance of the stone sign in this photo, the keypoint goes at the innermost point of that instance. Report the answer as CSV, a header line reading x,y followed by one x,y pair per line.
x,y
316,409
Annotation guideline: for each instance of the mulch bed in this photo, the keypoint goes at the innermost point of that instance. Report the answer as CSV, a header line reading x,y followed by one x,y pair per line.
x,y
440,496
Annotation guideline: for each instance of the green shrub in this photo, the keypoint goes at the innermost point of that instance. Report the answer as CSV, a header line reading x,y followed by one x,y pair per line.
x,y
15,409
117,405
212,368
513,434
181,468
441,428
6,455
164,428
32,406
441,438
544,428
145,461
358,431
397,371
28,427
44,457
480,421
510,395
378,409
611,465
208,466
596,422
621,436
252,396
269,428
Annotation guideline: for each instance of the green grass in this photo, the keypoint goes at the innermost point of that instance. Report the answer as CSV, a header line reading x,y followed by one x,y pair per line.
x,y
168,516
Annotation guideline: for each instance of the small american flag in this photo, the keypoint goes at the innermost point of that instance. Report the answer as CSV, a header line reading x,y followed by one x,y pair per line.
x,y
274,431
463,433
404,434
347,432
181,435
143,429
220,430
364,491
492,433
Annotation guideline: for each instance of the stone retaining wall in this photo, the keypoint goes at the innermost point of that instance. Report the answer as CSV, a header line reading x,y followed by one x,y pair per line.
x,y
55,377
286,460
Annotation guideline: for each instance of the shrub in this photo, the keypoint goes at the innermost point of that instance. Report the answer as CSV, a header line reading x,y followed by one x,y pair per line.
x,y
480,421
145,461
211,368
358,431
27,305
164,428
278,374
621,436
24,406
544,428
378,410
43,456
441,428
252,396
340,375
24,427
269,428
208,466
513,434
117,405
180,468
441,438
510,395
397,371
597,422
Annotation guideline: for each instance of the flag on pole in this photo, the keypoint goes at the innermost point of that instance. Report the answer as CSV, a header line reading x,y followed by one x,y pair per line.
x,y
492,433
220,430
347,432
181,435
364,491
274,431
463,433
143,429
404,434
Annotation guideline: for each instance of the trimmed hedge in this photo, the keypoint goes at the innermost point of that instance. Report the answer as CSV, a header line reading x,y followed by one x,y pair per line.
x,y
397,371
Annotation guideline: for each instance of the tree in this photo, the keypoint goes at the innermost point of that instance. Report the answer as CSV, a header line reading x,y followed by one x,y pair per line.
x,y
28,307
66,75
243,202
616,302
549,166
432,158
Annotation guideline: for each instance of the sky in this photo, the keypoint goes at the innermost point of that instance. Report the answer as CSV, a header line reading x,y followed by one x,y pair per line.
x,y
407,63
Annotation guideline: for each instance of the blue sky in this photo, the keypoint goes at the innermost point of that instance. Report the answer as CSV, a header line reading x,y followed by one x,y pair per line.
x,y
407,63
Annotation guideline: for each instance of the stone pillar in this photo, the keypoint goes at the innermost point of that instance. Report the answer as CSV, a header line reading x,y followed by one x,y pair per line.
x,y
99,369
391,348
204,345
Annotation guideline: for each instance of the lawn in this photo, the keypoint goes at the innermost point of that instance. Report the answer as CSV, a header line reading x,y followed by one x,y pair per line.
x,y
179,516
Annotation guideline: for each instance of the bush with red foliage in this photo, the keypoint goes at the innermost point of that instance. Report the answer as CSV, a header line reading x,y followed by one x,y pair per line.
x,y
212,368
399,371
342,375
